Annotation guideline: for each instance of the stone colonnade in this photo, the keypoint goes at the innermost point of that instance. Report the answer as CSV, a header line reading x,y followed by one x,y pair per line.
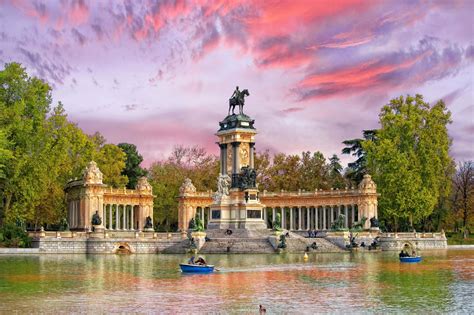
x,y
311,211
120,217
313,217
118,208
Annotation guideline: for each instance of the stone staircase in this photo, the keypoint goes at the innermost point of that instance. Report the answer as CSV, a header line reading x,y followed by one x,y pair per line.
x,y
296,243
240,242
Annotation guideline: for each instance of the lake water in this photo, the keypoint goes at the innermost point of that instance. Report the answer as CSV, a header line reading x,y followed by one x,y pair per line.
x,y
326,283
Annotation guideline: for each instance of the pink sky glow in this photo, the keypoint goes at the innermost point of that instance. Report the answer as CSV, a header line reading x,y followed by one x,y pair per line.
x,y
159,73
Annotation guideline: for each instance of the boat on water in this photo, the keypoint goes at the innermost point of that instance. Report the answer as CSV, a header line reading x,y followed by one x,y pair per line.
x,y
198,266
410,259
192,268
405,255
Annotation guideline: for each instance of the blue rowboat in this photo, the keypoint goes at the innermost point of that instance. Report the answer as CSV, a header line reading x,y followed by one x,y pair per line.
x,y
196,268
410,259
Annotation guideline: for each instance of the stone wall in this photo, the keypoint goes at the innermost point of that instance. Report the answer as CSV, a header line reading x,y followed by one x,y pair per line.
x,y
109,246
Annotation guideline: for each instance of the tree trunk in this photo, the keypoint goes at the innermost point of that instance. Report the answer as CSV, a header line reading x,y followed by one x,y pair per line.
x,y
6,207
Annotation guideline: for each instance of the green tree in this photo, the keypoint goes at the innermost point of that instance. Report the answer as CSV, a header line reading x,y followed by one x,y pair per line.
x,y
111,161
357,169
313,172
335,172
132,169
410,159
24,104
285,172
167,176
262,167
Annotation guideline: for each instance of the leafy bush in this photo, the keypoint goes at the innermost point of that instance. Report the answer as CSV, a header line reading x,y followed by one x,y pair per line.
x,y
14,236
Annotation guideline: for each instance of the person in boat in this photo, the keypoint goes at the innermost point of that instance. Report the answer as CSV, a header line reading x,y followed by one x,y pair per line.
x,y
191,261
200,261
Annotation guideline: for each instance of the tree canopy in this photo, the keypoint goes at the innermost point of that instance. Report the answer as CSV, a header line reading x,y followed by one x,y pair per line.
x,y
410,159
40,150
132,169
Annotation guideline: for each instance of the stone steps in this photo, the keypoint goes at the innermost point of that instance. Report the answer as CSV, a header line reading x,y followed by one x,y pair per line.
x,y
240,246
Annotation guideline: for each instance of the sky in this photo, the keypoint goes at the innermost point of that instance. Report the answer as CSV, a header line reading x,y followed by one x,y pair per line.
x,y
159,73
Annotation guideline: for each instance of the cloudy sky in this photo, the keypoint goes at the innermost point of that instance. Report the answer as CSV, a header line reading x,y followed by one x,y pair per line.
x,y
159,73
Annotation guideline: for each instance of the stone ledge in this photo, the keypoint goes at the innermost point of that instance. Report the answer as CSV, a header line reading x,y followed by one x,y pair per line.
x,y
19,251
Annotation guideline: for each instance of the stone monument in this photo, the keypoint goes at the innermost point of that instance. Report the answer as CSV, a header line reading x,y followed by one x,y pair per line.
x,y
236,204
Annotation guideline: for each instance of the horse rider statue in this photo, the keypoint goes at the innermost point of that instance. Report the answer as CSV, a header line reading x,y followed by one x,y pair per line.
x,y
238,99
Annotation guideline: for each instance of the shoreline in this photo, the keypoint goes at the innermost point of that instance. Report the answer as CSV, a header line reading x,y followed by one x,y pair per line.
x,y
36,251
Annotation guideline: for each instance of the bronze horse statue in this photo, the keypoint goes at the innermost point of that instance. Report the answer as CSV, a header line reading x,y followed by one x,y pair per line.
x,y
240,101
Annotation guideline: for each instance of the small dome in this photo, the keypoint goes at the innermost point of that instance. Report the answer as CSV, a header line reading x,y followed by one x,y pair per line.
x,y
367,184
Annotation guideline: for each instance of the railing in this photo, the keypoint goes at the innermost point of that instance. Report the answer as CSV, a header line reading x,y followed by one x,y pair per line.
x,y
106,234
121,191
311,193
435,235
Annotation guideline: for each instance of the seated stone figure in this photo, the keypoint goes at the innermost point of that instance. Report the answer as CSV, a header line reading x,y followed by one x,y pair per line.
x,y
148,223
96,220
374,223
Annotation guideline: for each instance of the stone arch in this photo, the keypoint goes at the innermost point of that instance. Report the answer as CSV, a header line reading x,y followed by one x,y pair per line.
x,y
123,248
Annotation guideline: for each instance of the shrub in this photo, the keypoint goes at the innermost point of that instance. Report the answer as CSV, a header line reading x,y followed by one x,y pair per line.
x,y
14,236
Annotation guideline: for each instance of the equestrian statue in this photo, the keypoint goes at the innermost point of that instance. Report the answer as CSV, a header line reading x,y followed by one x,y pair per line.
x,y
238,99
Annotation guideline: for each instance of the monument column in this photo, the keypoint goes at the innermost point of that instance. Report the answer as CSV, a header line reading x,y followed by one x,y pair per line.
x,y
235,163
251,154
223,163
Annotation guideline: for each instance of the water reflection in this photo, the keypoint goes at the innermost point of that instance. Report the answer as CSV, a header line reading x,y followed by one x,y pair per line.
x,y
373,282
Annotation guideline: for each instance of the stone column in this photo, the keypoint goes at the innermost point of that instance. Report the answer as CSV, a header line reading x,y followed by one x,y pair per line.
x,y
235,163
283,218
117,218
291,218
308,218
251,154
299,218
324,218
316,217
273,215
264,215
223,147
353,214
132,219
332,215
346,217
124,211
103,215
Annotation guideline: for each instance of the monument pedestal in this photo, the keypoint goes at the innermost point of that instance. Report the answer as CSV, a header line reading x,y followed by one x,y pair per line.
x,y
238,210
